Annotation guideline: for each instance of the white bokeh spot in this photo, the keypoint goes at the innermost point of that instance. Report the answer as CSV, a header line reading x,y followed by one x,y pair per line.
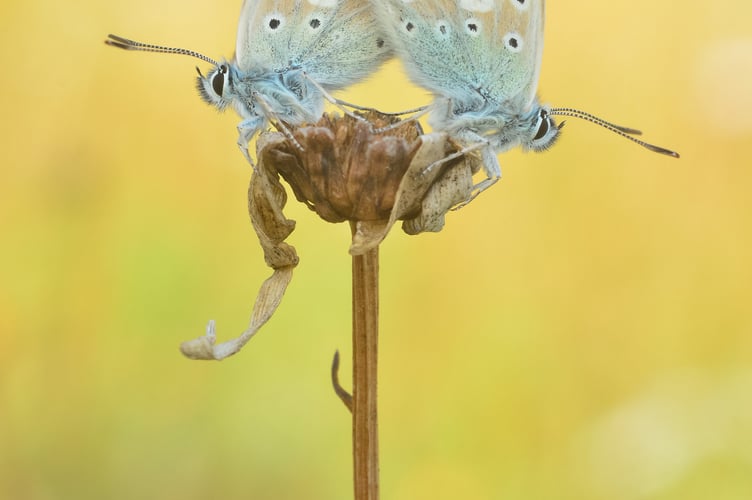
x,y
721,81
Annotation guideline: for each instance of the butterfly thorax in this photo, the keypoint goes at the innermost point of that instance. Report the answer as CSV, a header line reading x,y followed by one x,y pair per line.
x,y
261,95
497,123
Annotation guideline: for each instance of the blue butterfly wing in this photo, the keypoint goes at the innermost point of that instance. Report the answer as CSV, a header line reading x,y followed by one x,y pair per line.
x,y
463,49
337,42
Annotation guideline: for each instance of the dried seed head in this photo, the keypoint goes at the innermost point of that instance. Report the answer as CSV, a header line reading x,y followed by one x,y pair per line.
x,y
349,169
344,170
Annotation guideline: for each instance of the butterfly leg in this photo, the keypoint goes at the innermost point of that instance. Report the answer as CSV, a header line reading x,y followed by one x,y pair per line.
x,y
419,112
342,105
490,166
478,189
246,130
492,169
274,119
422,110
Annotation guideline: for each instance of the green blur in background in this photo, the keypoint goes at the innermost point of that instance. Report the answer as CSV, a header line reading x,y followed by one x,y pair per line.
x,y
581,330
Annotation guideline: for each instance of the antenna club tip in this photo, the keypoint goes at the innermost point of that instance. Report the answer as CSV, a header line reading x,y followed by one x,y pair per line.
x,y
663,151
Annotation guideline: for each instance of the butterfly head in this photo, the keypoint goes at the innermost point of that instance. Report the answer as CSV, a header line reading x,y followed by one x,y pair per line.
x,y
535,130
542,131
216,87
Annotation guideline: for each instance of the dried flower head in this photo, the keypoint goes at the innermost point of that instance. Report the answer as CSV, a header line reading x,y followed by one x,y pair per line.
x,y
344,169
350,169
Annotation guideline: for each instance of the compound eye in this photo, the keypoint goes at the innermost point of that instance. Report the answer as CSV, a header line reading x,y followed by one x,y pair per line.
x,y
544,125
545,131
218,80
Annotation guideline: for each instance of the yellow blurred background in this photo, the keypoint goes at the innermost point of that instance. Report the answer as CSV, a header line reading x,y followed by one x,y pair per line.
x,y
581,330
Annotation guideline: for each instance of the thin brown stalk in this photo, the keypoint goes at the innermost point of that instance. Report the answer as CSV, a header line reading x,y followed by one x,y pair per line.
x,y
365,354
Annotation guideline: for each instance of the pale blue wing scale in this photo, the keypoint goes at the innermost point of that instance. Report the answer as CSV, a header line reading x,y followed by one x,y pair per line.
x,y
337,42
254,50
434,57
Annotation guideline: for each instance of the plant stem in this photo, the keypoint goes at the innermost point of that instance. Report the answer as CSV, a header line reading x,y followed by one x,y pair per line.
x,y
365,278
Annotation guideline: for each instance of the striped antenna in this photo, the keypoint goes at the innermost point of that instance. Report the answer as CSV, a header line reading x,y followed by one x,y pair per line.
x,y
627,133
126,44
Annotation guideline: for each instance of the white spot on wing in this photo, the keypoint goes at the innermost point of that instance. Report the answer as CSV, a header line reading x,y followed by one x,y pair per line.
x,y
323,3
477,5
473,26
513,42
520,4
273,21
442,26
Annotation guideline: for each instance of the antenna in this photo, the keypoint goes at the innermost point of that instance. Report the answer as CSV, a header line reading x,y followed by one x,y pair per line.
x,y
627,133
124,43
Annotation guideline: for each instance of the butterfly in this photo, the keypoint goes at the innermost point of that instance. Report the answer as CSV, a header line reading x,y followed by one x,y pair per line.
x,y
481,59
289,54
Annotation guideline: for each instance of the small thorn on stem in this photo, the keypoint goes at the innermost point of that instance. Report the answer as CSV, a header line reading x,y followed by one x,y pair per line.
x,y
345,396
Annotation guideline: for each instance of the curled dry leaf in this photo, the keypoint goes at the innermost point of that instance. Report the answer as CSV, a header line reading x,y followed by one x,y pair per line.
x,y
266,199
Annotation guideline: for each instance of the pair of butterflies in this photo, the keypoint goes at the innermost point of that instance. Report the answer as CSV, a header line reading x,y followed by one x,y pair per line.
x,y
481,59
